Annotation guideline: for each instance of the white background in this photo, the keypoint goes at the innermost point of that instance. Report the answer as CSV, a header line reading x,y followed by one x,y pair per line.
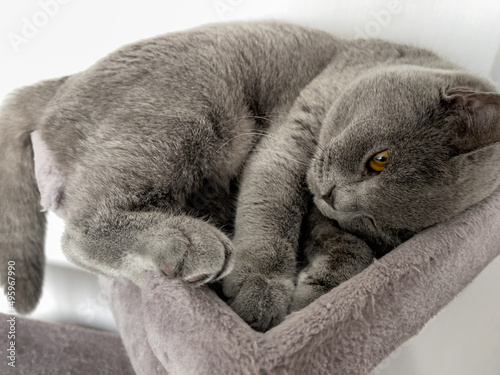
x,y
45,41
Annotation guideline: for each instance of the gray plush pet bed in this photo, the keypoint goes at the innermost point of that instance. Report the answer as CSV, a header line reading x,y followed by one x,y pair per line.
x,y
54,349
171,328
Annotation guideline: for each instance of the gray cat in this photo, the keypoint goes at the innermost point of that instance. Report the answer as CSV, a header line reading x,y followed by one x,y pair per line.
x,y
314,151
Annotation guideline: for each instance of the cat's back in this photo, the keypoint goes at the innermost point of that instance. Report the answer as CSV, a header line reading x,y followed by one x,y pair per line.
x,y
163,83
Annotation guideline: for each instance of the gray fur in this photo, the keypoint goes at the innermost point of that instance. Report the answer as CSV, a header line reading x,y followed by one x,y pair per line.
x,y
22,224
159,142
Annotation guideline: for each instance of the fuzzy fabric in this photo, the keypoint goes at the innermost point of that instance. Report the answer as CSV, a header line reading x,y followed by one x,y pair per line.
x,y
48,349
169,327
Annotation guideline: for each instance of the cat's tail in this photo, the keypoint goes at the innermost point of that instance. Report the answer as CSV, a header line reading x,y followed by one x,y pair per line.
x,y
22,224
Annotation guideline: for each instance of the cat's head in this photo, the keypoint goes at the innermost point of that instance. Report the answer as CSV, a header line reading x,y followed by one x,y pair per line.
x,y
405,148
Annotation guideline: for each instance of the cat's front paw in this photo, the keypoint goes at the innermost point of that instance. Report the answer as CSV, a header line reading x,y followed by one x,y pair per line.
x,y
194,251
261,301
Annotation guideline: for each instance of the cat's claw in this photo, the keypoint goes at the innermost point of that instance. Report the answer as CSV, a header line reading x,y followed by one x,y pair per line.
x,y
307,290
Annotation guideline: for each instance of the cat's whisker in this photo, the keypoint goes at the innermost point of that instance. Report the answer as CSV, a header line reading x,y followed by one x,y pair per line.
x,y
259,134
272,119
266,118
263,134
286,155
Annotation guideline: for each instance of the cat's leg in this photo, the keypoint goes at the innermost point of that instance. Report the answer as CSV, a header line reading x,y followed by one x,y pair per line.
x,y
271,204
135,199
333,257
120,243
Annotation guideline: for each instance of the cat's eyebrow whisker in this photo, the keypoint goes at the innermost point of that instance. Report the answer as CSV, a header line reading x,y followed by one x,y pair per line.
x,y
313,136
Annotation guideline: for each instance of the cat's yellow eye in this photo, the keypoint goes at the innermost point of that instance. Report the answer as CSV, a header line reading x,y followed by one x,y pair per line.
x,y
379,161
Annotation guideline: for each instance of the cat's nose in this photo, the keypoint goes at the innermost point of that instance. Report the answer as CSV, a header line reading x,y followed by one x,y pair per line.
x,y
330,196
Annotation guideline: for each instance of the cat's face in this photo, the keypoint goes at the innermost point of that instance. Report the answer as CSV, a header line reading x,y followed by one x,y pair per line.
x,y
404,149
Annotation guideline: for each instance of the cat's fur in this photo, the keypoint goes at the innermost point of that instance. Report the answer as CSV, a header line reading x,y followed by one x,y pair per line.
x,y
167,145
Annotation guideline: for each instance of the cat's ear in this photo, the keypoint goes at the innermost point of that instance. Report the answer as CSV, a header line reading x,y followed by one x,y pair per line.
x,y
478,114
476,129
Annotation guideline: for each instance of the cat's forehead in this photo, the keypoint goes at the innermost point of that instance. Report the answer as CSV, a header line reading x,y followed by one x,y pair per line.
x,y
393,107
400,88
383,100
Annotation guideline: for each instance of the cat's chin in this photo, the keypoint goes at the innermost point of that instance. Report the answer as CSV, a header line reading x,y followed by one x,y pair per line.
x,y
364,226
343,217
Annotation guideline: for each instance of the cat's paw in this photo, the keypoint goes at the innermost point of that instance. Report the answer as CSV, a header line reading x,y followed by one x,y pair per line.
x,y
261,301
195,252
311,284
